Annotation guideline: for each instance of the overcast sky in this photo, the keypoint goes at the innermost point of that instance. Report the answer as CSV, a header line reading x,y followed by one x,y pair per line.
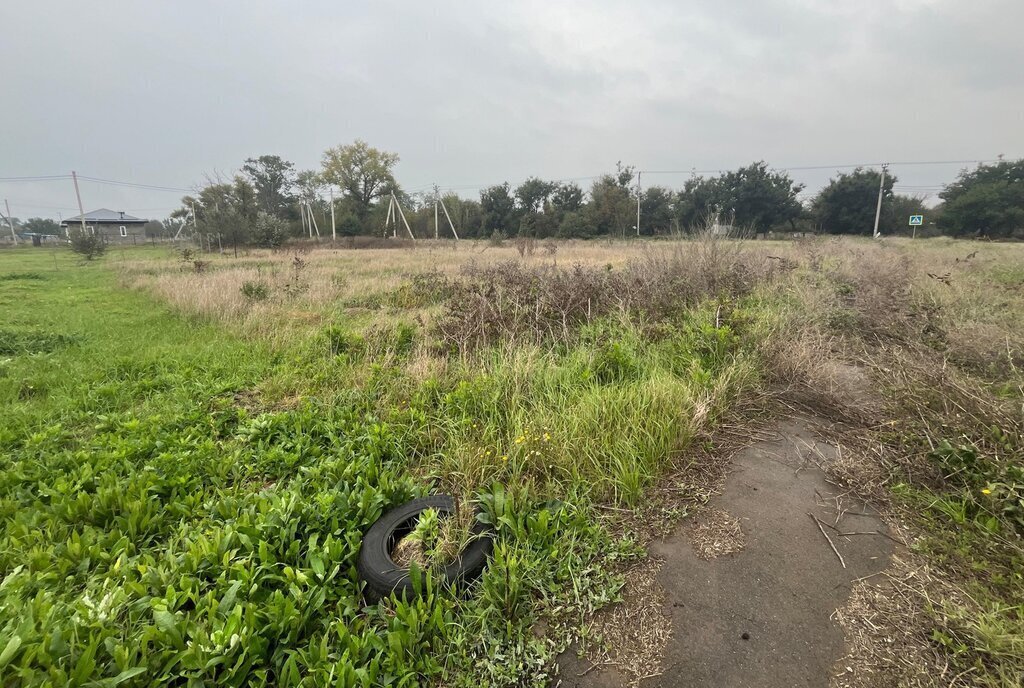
x,y
473,93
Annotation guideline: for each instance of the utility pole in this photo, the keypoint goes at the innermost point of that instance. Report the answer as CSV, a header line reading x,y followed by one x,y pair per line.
x,y
81,210
387,220
195,223
402,214
334,231
878,208
312,221
10,222
435,212
638,203
450,223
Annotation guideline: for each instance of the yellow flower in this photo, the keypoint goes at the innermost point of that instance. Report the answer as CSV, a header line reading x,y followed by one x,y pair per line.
x,y
547,437
520,439
504,458
986,491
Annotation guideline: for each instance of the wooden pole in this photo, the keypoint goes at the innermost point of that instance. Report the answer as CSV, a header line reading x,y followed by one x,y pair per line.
x,y
334,230
10,222
387,219
81,210
878,208
312,220
402,213
450,223
638,203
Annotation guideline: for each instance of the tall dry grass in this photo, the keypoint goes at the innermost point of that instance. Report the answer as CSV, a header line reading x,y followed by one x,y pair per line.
x,y
333,281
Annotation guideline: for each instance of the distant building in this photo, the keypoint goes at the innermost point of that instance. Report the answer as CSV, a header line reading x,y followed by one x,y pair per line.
x,y
112,225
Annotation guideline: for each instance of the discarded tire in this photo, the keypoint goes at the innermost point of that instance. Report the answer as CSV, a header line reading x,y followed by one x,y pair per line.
x,y
383,576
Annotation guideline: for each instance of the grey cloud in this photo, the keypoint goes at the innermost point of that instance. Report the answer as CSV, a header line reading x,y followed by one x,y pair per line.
x,y
475,93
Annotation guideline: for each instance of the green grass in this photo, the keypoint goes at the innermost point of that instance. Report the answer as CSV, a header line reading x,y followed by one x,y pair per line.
x,y
183,499
181,505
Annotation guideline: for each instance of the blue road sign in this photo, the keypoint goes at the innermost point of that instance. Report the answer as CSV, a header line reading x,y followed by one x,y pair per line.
x,y
916,220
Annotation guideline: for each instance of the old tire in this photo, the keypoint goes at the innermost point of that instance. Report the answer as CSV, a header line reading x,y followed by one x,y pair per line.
x,y
383,576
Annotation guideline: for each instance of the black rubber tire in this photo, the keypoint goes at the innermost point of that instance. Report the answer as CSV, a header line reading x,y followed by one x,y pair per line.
x,y
383,576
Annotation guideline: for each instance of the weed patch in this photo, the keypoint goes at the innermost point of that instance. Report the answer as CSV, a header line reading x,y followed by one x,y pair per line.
x,y
18,342
29,276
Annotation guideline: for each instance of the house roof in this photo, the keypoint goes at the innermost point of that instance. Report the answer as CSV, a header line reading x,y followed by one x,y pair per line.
x,y
105,215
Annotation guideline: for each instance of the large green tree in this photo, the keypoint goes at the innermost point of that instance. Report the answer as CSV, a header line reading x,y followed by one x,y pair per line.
x,y
566,207
225,209
567,198
696,203
656,211
753,198
612,207
363,173
847,205
466,215
498,208
533,194
273,178
758,198
896,214
986,201
39,225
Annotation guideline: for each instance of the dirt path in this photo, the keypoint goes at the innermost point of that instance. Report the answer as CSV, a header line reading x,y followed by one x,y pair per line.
x,y
759,616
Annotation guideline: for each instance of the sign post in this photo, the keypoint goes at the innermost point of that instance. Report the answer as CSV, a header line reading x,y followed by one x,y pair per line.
x,y
915,222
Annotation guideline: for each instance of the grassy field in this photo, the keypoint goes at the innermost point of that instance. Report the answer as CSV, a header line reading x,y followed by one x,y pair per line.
x,y
195,444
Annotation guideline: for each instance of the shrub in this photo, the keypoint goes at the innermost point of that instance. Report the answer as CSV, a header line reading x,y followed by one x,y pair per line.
x,y
397,339
269,231
255,291
514,302
342,342
89,246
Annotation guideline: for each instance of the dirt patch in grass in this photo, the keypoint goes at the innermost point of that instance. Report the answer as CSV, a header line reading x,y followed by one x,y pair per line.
x,y
255,403
632,635
716,533
887,631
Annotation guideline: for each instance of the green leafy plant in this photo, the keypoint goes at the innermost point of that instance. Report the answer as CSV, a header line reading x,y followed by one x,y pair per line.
x,y
255,291
88,245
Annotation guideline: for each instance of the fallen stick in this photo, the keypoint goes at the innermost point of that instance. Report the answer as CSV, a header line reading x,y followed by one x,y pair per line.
x,y
830,543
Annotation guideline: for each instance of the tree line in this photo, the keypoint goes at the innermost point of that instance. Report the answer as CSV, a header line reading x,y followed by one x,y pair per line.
x,y
269,201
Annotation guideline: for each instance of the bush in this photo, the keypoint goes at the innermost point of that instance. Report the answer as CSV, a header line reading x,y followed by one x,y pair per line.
x,y
89,246
513,302
255,291
269,231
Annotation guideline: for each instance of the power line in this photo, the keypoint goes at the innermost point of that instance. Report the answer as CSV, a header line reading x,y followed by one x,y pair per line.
x,y
470,187
800,168
45,178
134,185
42,207
96,180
